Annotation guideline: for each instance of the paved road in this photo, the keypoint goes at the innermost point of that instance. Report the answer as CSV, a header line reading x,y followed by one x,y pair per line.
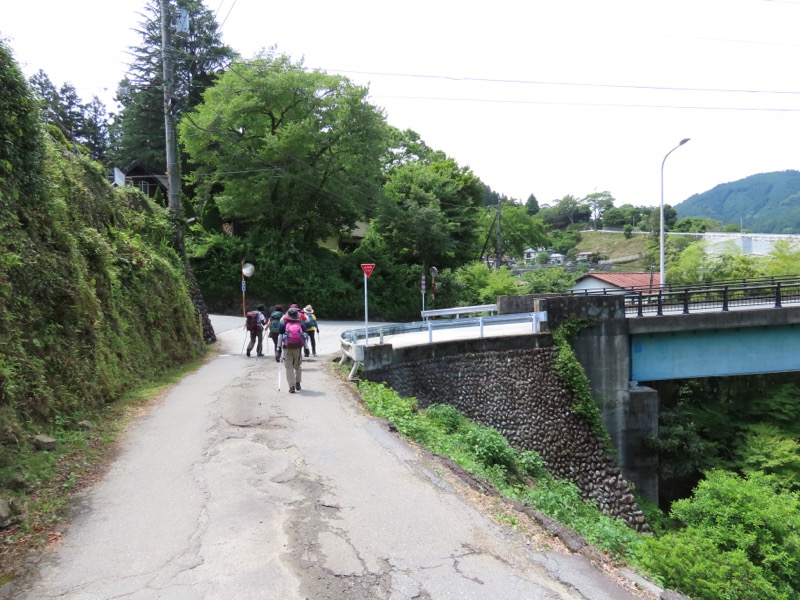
x,y
229,488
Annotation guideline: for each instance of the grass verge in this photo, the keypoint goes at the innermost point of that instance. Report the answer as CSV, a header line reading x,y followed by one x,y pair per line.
x,y
39,484
486,454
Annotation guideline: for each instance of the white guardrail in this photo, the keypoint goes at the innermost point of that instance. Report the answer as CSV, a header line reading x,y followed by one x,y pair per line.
x,y
353,341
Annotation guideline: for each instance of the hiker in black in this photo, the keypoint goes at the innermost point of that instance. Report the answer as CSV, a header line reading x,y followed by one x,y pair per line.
x,y
255,325
274,325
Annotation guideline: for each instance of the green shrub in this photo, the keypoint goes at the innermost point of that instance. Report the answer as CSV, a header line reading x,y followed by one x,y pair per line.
x,y
531,464
690,562
748,524
490,447
446,416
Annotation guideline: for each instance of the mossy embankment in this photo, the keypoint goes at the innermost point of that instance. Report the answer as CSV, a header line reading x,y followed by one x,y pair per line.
x,y
93,296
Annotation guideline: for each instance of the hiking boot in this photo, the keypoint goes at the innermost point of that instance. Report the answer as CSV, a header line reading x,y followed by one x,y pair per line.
x,y
297,386
260,354
248,354
291,390
306,353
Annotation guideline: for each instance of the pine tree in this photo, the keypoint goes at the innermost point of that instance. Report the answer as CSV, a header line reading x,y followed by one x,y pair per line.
x,y
138,131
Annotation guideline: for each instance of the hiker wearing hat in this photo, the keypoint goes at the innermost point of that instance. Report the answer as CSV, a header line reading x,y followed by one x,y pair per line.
x,y
303,316
293,334
311,329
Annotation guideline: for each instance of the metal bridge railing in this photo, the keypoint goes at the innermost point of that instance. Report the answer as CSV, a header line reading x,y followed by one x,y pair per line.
x,y
719,297
353,341
722,295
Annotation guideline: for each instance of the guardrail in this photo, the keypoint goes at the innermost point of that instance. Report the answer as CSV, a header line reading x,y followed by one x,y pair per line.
x,y
458,311
353,341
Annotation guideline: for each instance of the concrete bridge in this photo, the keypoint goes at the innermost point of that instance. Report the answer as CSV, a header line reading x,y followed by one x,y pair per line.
x,y
630,339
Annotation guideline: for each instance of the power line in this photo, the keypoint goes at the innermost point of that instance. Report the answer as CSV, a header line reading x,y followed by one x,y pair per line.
x,y
570,83
609,104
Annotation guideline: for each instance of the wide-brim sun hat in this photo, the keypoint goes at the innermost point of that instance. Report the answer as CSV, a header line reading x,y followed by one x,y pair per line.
x,y
293,314
308,310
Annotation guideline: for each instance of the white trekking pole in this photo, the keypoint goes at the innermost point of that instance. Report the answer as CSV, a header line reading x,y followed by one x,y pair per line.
x,y
280,368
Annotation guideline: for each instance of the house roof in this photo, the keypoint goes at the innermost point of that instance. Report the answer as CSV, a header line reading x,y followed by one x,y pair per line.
x,y
623,280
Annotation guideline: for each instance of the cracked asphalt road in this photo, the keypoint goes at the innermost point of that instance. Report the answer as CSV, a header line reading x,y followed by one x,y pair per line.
x,y
229,488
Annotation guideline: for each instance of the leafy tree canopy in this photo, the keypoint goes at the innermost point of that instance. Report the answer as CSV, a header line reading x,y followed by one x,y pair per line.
x,y
598,203
627,214
697,225
519,230
282,148
429,213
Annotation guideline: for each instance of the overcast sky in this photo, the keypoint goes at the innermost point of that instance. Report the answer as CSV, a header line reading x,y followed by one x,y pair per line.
x,y
546,97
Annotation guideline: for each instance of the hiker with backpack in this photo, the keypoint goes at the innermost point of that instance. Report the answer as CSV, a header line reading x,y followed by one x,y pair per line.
x,y
293,334
254,322
274,326
311,329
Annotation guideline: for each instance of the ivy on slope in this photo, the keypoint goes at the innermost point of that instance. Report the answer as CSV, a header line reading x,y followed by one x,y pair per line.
x,y
574,377
92,296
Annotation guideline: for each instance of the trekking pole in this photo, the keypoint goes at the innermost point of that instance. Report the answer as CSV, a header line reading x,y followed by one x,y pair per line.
x,y
279,374
244,341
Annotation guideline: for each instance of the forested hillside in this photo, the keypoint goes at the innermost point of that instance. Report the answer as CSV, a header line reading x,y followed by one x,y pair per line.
x,y
93,298
763,203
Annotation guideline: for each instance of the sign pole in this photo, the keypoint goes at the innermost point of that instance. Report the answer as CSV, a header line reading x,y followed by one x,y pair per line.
x,y
366,312
367,268
244,287
422,289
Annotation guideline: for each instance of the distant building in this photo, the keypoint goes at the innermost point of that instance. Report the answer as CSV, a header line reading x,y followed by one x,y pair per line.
x,y
595,281
348,242
141,176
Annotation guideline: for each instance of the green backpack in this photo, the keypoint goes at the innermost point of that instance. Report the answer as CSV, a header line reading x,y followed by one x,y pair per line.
x,y
275,321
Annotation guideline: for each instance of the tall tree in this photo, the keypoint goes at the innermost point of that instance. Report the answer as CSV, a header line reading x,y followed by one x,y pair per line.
x,y
199,56
519,230
598,203
94,130
285,149
429,213
492,198
82,124
532,205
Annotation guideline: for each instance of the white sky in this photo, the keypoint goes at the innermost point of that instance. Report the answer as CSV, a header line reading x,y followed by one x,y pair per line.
x,y
584,115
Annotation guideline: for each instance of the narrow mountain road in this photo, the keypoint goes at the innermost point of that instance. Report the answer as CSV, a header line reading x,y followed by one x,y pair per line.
x,y
229,488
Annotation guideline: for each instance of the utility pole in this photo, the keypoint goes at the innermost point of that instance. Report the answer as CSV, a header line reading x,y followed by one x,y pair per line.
x,y
498,260
173,179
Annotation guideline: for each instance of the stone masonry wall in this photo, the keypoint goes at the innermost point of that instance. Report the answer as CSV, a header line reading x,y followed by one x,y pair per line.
x,y
518,392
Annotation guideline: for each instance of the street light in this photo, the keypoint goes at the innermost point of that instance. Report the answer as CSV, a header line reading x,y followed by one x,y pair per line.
x,y
663,277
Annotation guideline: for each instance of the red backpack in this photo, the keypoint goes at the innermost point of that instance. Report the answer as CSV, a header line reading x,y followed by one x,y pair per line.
x,y
294,336
252,321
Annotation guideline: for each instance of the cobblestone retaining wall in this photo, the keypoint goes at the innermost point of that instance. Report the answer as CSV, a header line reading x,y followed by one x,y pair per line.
x,y
518,392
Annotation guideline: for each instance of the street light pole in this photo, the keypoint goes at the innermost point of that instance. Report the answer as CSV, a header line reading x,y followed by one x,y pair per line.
x,y
663,278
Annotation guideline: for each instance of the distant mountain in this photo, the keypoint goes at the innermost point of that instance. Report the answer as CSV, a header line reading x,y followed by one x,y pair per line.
x,y
763,203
